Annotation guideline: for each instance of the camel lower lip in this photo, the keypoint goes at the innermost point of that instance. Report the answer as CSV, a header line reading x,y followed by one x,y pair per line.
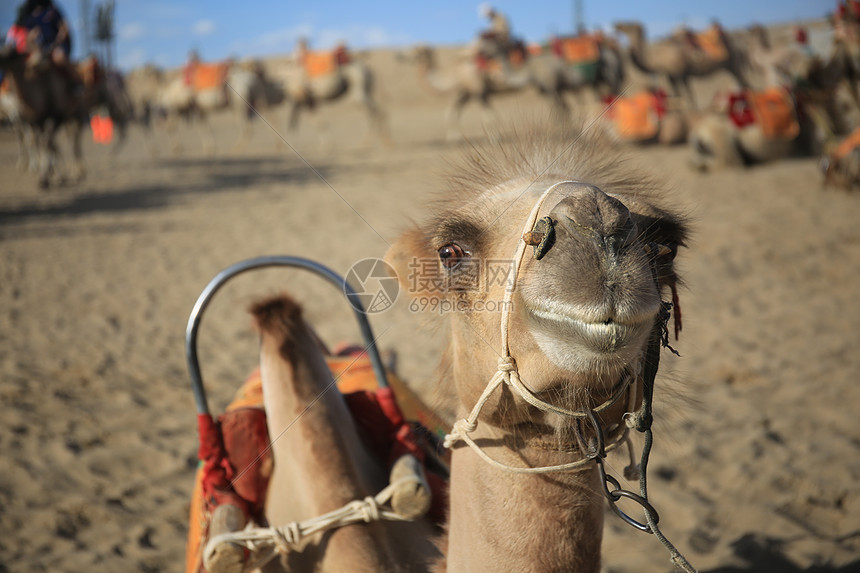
x,y
604,337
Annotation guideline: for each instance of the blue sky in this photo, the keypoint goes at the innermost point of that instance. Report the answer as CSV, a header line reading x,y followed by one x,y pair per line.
x,y
163,31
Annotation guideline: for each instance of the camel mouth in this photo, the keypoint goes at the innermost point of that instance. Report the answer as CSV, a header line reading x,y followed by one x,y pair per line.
x,y
577,342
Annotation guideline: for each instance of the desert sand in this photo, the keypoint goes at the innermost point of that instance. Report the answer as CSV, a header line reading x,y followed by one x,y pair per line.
x,y
757,458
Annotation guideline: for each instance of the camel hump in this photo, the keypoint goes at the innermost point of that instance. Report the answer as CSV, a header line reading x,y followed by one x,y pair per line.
x,y
279,316
712,42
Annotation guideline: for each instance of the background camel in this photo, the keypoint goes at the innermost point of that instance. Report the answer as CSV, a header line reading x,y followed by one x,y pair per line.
x,y
304,92
810,119
45,103
466,80
678,62
241,90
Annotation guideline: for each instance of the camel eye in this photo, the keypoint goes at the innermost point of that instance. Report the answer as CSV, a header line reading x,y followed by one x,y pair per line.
x,y
451,255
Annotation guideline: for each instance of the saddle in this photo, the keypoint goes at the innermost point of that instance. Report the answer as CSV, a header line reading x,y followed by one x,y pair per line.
x,y
577,49
236,462
773,109
712,43
636,117
840,166
208,76
323,63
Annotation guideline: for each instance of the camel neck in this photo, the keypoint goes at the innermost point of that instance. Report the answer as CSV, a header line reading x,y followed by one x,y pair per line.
x,y
550,522
638,55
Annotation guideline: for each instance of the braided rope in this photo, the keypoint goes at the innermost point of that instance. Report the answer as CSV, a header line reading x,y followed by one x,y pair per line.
x,y
268,542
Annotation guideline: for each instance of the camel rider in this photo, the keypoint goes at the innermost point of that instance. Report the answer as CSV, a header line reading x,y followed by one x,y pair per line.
x,y
496,40
48,29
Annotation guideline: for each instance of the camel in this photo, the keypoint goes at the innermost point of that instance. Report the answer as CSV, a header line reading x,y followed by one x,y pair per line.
x,y
304,91
778,65
677,61
240,89
44,106
720,140
547,73
547,361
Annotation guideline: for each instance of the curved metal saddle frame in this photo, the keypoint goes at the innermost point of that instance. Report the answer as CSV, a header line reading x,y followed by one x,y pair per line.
x,y
263,262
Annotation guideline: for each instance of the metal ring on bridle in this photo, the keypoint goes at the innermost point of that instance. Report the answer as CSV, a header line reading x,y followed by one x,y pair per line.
x,y
616,494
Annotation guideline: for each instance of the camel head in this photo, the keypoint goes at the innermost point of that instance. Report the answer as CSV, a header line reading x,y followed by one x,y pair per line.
x,y
760,36
633,30
588,288
423,55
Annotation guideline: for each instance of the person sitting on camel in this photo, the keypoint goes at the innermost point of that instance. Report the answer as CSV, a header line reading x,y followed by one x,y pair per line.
x,y
47,30
496,40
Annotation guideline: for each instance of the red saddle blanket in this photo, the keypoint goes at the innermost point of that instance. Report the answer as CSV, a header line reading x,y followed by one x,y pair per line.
x,y
236,462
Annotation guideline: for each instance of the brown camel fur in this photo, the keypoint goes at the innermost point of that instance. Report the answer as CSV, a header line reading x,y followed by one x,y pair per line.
x,y
677,61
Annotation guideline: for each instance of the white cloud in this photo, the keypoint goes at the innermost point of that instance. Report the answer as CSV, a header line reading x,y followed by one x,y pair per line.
x,y
132,58
204,27
360,36
131,31
283,40
280,40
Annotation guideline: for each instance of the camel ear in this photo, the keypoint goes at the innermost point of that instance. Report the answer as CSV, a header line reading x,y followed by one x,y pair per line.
x,y
410,257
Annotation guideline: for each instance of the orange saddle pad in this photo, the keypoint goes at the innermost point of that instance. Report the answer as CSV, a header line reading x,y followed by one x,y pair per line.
x,y
774,110
208,76
636,117
847,145
712,44
320,63
581,50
